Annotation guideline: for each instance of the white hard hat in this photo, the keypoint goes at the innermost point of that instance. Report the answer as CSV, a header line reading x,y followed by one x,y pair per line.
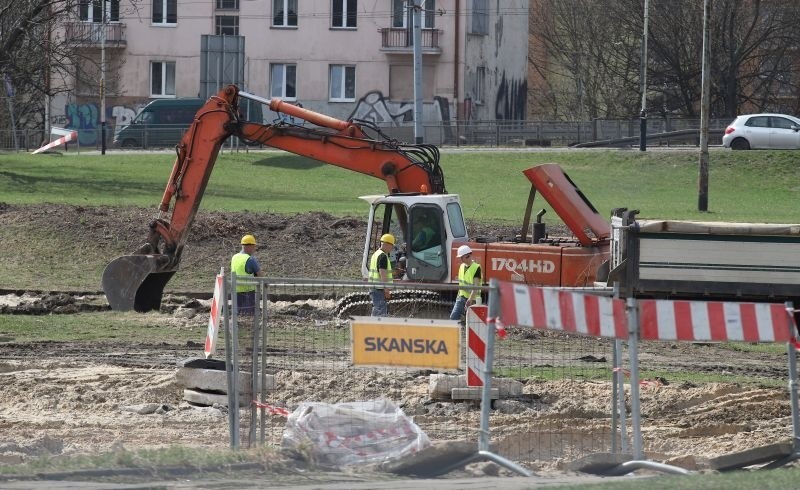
x,y
463,250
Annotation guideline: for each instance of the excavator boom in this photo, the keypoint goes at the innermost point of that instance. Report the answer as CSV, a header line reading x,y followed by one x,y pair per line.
x,y
137,281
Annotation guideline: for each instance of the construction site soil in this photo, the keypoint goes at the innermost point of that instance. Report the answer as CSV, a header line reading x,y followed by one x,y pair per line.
x,y
66,398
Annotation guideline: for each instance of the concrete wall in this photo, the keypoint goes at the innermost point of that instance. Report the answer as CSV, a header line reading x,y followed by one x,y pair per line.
x,y
502,52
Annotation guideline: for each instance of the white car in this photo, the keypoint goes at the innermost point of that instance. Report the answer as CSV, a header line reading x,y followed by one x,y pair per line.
x,y
763,131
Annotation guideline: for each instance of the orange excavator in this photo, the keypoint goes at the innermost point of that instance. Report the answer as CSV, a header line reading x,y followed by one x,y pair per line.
x,y
416,197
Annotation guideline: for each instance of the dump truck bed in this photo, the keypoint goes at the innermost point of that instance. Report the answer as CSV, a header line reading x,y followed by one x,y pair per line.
x,y
672,258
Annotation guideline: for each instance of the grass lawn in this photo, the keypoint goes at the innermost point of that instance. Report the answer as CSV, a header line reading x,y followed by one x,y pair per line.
x,y
758,186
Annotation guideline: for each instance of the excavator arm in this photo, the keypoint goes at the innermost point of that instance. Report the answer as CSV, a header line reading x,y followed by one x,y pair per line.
x,y
137,281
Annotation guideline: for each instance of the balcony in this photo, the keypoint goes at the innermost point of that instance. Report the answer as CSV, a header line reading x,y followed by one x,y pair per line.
x,y
396,40
89,34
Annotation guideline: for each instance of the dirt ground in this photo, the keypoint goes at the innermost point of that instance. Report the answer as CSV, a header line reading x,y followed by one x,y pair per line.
x,y
72,398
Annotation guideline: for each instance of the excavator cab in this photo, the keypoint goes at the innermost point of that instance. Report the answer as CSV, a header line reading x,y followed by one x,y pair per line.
x,y
425,227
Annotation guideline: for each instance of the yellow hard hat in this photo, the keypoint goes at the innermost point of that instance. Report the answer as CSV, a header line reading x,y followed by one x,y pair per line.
x,y
388,238
248,240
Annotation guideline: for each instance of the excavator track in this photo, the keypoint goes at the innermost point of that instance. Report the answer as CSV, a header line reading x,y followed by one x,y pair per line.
x,y
408,303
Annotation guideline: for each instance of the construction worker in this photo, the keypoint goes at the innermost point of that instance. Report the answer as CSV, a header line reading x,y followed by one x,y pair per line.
x,y
244,264
469,274
424,233
380,273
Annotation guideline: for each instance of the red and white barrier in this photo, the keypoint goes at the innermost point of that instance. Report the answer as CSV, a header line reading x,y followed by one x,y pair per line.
x,y
713,321
554,309
476,330
213,321
70,136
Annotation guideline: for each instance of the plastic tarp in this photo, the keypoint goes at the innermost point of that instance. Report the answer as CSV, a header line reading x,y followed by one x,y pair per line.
x,y
352,433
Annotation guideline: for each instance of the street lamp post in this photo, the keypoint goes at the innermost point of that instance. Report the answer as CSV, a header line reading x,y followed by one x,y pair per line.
x,y
418,90
705,105
103,78
643,76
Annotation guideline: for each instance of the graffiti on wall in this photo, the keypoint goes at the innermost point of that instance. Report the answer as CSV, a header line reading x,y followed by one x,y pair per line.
x,y
376,108
85,118
511,101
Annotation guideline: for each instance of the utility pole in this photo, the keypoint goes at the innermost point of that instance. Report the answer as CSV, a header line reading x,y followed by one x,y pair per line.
x,y
705,104
643,77
418,90
103,77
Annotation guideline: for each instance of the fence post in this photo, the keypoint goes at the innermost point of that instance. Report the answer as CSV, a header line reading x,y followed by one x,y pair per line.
x,y
232,363
618,402
633,349
254,375
263,291
793,382
486,394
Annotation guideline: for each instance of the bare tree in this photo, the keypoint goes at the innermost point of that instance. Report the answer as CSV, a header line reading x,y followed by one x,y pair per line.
x,y
27,52
585,58
41,50
753,46
588,55
756,60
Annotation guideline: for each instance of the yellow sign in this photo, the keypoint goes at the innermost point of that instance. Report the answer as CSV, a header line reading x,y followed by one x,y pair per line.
x,y
406,342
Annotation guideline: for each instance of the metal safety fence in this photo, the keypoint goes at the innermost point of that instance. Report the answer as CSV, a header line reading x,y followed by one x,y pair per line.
x,y
491,133
553,395
299,345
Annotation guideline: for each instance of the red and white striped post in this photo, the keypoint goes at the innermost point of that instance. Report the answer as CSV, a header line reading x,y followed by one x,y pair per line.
x,y
476,331
70,136
216,313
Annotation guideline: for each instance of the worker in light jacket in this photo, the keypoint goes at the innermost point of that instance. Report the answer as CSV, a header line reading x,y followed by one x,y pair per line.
x,y
469,274
244,264
380,273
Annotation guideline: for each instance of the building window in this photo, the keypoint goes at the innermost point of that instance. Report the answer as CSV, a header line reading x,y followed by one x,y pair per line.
x,y
401,14
479,85
162,79
227,25
227,4
343,13
284,13
283,81
92,11
165,12
342,83
480,17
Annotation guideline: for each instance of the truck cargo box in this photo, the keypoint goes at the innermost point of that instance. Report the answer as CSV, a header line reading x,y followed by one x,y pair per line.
x,y
693,259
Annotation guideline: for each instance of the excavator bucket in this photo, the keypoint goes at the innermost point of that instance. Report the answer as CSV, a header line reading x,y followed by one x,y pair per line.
x,y
135,282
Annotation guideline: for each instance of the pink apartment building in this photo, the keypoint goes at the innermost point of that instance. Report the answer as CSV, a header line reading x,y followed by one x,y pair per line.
x,y
344,58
